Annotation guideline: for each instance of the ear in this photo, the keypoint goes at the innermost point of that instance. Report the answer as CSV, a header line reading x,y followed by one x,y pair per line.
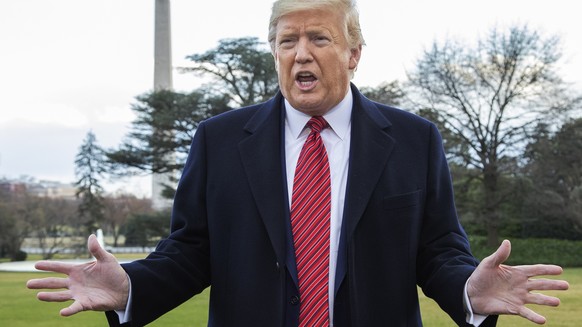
x,y
355,55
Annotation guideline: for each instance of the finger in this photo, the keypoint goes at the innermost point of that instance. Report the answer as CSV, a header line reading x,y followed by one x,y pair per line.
x,y
541,270
49,283
59,267
547,285
76,307
61,296
95,249
499,256
532,316
541,299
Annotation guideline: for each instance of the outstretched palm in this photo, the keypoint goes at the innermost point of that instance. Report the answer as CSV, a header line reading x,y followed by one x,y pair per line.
x,y
495,288
99,285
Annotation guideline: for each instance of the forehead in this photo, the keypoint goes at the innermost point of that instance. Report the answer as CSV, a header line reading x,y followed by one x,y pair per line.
x,y
312,19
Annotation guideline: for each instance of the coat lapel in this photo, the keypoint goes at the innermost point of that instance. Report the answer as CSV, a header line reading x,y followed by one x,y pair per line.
x,y
262,157
370,148
371,145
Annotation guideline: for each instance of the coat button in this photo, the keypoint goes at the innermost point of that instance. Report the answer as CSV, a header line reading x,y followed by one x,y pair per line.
x,y
294,300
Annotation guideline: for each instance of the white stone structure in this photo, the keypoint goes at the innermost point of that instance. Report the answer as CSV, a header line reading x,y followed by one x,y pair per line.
x,y
162,81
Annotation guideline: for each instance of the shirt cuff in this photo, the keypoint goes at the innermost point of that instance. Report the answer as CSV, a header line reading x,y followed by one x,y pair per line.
x,y
471,318
125,315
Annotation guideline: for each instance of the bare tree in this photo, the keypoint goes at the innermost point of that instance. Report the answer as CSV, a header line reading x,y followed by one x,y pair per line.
x,y
18,215
54,225
491,96
119,209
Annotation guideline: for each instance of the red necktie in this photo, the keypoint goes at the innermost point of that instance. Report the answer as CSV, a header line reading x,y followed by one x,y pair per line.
x,y
310,219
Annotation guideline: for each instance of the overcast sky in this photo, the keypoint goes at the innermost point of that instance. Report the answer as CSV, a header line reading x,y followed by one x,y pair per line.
x,y
70,66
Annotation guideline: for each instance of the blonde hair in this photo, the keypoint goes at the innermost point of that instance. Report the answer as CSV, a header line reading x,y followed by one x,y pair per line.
x,y
352,28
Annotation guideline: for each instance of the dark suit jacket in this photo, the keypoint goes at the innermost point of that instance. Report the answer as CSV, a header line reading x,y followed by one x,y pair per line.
x,y
230,225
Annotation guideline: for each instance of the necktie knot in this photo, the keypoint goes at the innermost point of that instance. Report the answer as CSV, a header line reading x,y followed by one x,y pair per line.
x,y
317,124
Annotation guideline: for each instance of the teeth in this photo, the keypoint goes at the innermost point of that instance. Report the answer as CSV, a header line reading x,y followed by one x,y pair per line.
x,y
306,79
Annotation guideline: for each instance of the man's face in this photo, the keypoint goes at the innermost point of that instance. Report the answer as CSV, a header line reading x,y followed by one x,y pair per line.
x,y
313,60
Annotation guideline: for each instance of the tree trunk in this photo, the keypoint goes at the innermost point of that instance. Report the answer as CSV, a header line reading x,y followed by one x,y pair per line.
x,y
490,180
492,229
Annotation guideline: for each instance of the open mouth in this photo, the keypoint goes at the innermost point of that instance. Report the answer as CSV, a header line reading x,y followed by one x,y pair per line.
x,y
305,80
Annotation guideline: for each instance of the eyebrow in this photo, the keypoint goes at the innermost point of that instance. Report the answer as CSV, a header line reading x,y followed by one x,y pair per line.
x,y
310,31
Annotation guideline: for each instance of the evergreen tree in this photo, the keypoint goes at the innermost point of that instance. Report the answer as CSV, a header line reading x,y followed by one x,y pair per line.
x,y
554,166
386,93
241,71
89,169
242,68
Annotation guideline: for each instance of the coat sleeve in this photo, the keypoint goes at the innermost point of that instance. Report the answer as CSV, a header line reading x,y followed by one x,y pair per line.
x,y
180,266
445,261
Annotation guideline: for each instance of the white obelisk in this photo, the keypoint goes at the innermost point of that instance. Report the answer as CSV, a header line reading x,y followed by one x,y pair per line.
x,y
162,81
100,239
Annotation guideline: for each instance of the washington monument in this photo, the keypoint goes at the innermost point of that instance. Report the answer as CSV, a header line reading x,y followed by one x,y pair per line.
x,y
162,81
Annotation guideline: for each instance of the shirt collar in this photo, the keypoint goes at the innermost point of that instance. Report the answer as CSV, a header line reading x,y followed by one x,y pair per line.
x,y
338,118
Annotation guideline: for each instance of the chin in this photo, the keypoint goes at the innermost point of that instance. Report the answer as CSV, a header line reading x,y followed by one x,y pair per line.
x,y
307,100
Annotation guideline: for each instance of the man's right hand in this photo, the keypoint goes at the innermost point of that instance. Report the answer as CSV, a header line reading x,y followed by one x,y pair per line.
x,y
101,285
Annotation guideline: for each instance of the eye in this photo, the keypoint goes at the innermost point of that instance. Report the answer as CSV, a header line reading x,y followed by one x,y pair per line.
x,y
286,43
321,40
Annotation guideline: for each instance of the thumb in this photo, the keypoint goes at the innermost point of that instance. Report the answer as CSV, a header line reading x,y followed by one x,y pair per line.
x,y
95,248
501,255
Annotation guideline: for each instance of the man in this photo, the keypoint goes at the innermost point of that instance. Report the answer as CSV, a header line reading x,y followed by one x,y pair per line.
x,y
381,198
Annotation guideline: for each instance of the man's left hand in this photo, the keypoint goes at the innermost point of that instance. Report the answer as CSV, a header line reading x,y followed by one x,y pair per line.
x,y
495,288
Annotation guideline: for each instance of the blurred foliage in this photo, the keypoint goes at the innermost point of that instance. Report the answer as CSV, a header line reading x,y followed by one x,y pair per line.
x,y
564,253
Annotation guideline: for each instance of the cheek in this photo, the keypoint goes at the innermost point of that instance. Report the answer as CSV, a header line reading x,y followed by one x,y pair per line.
x,y
338,65
339,74
282,66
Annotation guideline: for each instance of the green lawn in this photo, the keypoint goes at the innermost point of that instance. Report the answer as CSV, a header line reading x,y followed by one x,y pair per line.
x,y
19,307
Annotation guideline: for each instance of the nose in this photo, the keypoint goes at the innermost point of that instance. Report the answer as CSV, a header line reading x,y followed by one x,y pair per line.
x,y
303,52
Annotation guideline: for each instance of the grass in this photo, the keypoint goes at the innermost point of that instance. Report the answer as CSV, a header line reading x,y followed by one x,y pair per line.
x,y
19,307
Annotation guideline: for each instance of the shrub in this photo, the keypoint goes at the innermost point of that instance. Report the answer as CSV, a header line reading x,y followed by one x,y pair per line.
x,y
535,250
19,256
